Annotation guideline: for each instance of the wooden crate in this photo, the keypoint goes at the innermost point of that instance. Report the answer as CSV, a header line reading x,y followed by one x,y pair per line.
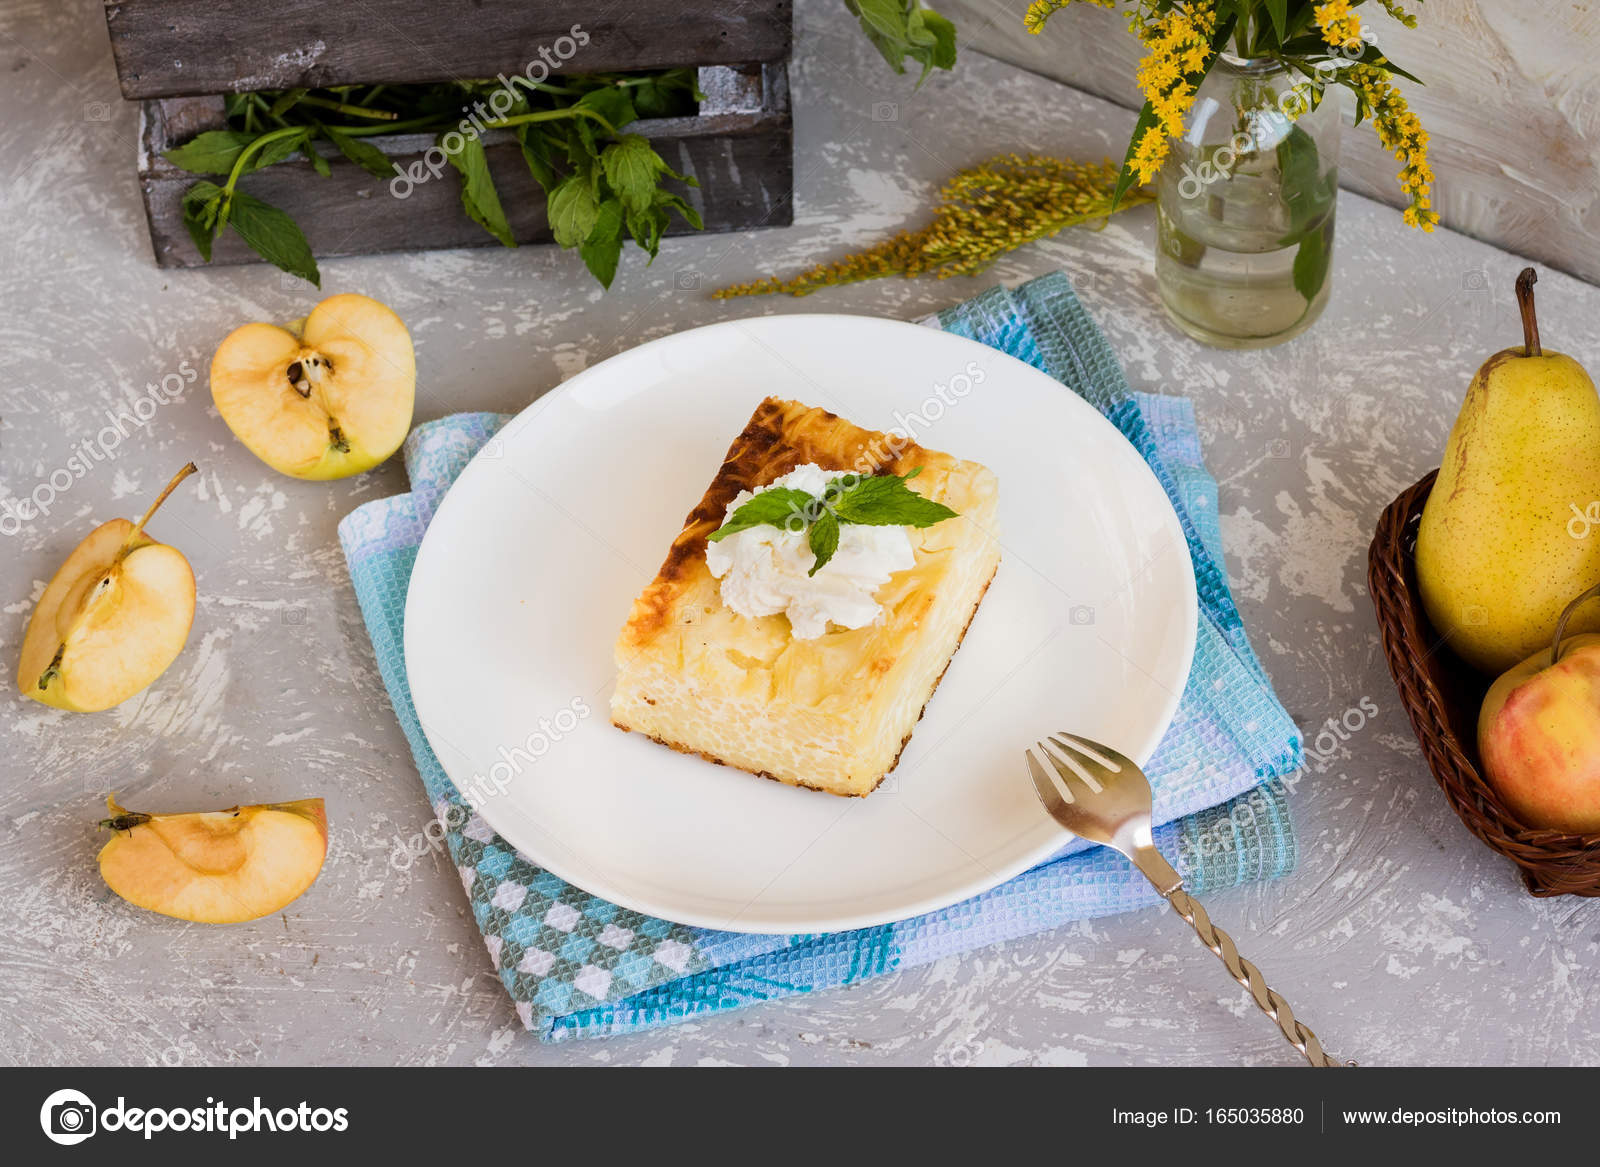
x,y
180,56
190,48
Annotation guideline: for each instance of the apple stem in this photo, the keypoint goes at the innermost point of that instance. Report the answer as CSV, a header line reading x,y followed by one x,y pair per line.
x,y
1561,624
1530,323
162,497
52,670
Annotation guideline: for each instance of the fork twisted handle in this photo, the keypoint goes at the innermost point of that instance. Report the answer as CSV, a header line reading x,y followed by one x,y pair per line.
x,y
1266,998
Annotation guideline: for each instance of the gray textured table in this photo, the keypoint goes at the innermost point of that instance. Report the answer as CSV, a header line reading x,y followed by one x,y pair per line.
x,y
1399,938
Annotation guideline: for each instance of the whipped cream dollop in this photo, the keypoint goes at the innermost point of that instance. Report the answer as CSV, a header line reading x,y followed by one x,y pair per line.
x,y
763,570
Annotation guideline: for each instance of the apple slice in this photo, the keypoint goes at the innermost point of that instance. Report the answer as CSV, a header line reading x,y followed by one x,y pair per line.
x,y
322,398
112,618
216,867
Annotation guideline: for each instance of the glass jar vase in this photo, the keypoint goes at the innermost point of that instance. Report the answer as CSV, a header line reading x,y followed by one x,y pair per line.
x,y
1245,205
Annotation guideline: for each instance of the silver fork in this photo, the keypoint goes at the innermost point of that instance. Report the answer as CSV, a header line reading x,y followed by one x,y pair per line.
x,y
1105,798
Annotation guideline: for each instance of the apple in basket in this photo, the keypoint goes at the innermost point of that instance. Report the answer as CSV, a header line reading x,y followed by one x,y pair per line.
x,y
1539,733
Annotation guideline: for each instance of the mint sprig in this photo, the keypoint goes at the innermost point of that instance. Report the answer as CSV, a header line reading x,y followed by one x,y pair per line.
x,y
882,500
904,28
600,186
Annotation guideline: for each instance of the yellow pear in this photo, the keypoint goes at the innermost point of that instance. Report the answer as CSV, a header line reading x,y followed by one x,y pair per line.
x,y
325,397
1504,542
112,618
215,867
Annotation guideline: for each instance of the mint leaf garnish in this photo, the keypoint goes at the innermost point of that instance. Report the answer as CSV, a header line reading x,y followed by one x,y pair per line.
x,y
792,510
824,540
886,501
882,500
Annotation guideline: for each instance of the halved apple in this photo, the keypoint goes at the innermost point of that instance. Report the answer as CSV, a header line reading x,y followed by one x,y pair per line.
x,y
112,618
216,867
325,397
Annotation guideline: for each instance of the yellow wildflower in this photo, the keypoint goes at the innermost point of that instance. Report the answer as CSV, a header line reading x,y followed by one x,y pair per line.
x,y
1041,10
1176,37
1402,134
1177,44
1151,152
983,213
1340,27
1392,7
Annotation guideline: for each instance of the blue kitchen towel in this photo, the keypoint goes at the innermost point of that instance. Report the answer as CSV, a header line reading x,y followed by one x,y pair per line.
x,y
576,965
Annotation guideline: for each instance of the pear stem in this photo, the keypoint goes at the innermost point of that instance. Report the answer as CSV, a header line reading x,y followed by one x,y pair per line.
x,y
161,498
1566,613
1530,323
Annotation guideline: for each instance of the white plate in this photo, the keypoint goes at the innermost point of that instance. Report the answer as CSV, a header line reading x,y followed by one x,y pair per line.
x,y
529,567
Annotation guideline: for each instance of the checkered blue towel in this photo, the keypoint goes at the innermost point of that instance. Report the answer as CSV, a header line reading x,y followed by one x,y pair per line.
x,y
576,965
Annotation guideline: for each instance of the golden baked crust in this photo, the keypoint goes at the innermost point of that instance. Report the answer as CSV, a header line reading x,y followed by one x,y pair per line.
x,y
780,436
832,713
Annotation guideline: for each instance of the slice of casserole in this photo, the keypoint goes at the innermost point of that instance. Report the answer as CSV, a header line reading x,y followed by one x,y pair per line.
x,y
833,711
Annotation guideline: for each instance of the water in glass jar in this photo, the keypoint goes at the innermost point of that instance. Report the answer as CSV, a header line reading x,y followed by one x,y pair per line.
x,y
1239,264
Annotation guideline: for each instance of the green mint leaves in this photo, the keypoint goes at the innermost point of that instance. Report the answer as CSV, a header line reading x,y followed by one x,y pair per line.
x,y
886,501
272,234
601,186
208,208
781,506
904,28
823,539
882,500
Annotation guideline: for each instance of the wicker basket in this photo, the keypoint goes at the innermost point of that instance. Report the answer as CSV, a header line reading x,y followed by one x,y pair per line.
x,y
1442,695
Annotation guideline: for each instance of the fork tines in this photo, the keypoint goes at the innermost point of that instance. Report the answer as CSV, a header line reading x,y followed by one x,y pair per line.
x,y
1067,754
